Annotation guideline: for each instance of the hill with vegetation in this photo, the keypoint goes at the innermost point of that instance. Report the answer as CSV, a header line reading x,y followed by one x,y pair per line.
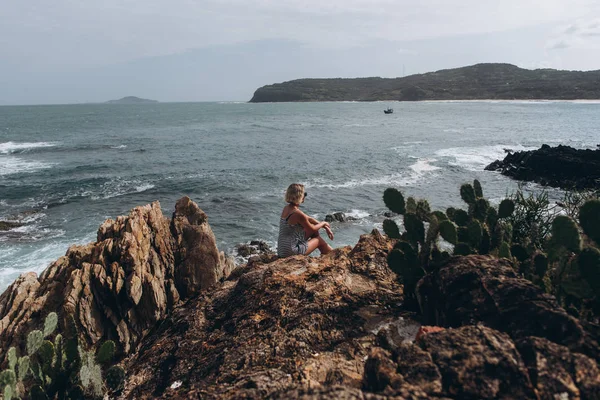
x,y
476,82
132,100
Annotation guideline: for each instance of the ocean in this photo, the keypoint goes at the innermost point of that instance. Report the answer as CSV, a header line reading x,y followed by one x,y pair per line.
x,y
64,169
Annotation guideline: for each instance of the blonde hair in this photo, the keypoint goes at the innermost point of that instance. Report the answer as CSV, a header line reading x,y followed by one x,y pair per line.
x,y
294,193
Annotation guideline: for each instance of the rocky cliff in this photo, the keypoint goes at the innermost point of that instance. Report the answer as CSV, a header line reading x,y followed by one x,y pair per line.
x,y
138,270
329,327
560,166
476,82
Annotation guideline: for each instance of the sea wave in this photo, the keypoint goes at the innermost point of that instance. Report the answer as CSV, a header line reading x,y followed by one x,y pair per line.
x,y
477,158
417,174
15,165
121,146
122,188
15,147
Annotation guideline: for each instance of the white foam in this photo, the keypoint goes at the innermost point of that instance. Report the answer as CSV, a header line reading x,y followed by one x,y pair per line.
x,y
13,147
122,188
416,173
477,158
144,187
393,179
422,166
359,214
13,165
122,146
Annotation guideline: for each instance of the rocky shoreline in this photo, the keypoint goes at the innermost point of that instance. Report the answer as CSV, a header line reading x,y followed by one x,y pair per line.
x,y
561,166
189,325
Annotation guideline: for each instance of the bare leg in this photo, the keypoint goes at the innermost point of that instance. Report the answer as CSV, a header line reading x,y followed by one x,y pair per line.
x,y
318,243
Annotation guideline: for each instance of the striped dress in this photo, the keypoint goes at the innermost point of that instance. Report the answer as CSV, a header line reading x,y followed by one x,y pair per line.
x,y
291,239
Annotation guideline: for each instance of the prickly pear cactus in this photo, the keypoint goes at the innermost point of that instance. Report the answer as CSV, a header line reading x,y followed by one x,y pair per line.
x,y
506,208
565,233
589,265
394,200
12,358
106,352
467,193
448,231
50,324
391,229
462,249
34,341
461,217
414,228
589,219
504,250
478,189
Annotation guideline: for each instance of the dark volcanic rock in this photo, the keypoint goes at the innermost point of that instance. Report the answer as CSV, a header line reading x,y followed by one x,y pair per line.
x,y
338,217
561,166
481,289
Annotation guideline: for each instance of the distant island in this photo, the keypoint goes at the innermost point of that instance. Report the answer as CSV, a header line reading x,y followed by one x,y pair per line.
x,y
476,82
131,100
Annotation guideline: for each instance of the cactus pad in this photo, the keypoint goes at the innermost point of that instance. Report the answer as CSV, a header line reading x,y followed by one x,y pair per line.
x,y
589,219
50,324
34,341
474,234
394,200
12,358
391,229
480,210
478,189
565,233
448,231
461,217
23,367
414,228
589,266
467,193
506,208
462,249
411,205
504,250
106,352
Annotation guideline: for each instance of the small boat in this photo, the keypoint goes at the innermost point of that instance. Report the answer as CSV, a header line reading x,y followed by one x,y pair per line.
x,y
388,111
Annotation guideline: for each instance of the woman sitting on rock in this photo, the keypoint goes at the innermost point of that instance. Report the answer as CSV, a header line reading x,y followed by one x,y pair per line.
x,y
299,233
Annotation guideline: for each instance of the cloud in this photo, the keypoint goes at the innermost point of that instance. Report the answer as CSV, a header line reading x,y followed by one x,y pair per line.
x,y
583,33
95,33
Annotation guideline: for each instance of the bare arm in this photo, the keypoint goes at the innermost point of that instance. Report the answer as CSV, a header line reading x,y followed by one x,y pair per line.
x,y
311,226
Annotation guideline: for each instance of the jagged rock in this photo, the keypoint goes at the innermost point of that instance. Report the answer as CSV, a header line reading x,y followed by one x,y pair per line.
x,y
254,247
560,166
277,329
8,225
554,369
474,289
117,288
338,217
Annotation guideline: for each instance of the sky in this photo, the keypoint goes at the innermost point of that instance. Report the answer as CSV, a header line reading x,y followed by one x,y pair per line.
x,y
76,51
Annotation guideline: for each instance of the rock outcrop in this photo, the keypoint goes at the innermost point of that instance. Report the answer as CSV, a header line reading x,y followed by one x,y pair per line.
x,y
273,329
334,328
117,288
560,166
329,327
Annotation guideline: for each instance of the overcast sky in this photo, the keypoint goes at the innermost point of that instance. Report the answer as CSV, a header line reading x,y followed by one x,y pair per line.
x,y
71,51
